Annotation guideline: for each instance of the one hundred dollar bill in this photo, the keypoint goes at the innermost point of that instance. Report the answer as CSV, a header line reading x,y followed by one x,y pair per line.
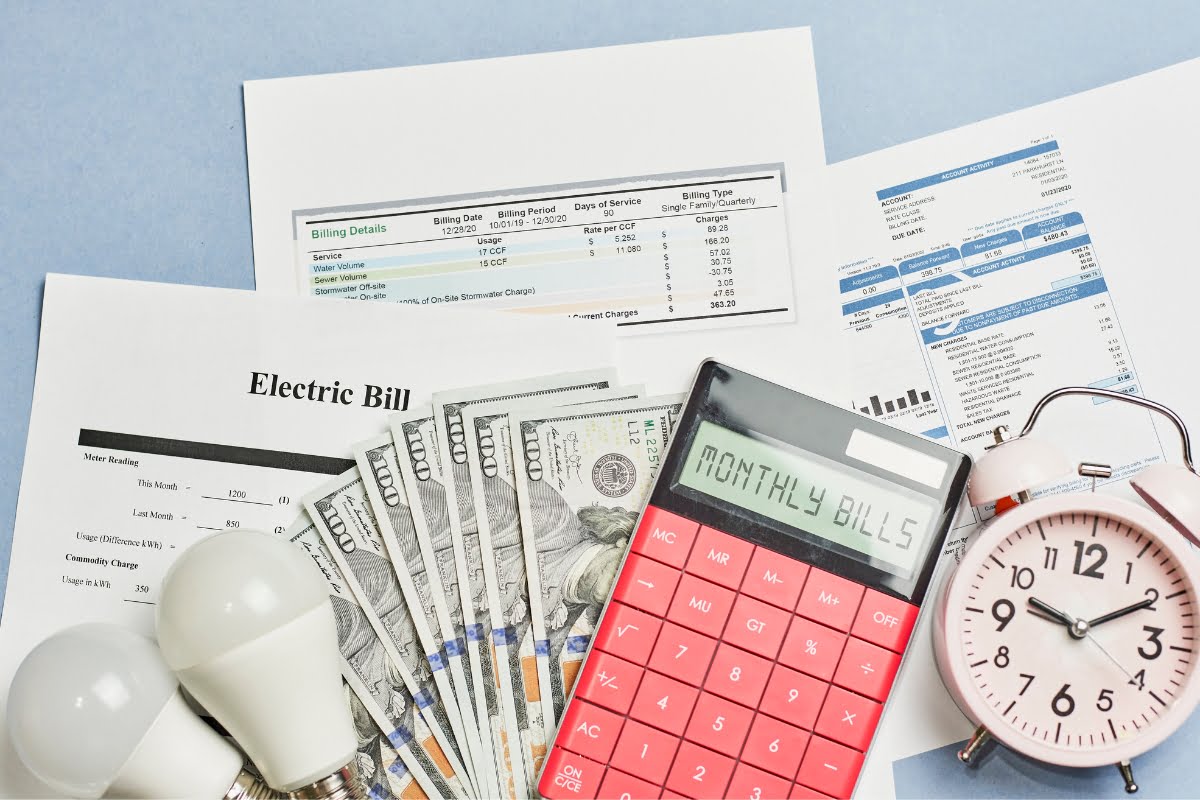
x,y
385,714
469,557
382,772
415,436
489,459
345,522
583,474
379,467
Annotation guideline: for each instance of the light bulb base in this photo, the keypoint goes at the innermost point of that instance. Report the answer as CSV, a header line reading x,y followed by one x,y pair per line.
x,y
248,786
340,785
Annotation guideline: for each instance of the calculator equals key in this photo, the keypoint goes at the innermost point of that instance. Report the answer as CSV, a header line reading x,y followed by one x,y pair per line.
x,y
758,622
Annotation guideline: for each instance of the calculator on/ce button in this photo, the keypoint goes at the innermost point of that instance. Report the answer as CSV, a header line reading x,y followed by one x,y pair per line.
x,y
759,619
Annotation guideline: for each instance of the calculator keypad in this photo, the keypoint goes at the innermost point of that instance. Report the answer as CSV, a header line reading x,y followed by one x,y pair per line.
x,y
722,669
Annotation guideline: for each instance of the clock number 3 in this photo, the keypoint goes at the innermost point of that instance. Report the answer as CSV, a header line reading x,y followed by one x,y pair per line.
x,y
1152,639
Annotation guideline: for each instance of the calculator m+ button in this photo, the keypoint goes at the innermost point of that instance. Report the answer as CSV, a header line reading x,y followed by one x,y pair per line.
x,y
829,599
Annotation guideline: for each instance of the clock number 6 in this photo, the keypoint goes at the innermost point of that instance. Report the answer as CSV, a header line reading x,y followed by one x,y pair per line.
x,y
1063,704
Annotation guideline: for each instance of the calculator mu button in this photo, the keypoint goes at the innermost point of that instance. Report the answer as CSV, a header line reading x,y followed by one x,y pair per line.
x,y
848,718
664,703
700,605
756,626
884,620
719,557
646,584
627,632
642,750
682,653
609,681
568,774
829,599
775,578
812,648
664,536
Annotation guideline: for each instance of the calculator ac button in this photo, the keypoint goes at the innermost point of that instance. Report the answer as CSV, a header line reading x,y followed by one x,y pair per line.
x,y
756,626
664,536
646,584
567,774
775,578
867,669
886,621
848,718
829,599
719,557
700,605
628,633
589,730
812,648
682,654
830,768
642,750
699,772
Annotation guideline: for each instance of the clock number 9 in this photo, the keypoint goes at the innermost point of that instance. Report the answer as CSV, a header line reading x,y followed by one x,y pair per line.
x,y
1003,610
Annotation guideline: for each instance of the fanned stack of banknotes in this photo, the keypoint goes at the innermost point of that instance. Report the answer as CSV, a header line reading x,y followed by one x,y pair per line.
x,y
468,556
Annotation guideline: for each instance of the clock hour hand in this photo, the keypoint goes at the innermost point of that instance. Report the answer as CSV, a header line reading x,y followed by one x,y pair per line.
x,y
1051,612
1120,612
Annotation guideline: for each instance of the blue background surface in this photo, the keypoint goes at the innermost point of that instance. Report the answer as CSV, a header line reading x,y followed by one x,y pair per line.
x,y
122,148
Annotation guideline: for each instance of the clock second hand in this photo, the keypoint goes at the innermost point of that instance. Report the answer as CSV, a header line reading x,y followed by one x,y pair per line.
x,y
1079,628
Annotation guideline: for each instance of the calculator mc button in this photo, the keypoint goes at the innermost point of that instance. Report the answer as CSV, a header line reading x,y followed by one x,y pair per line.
x,y
664,536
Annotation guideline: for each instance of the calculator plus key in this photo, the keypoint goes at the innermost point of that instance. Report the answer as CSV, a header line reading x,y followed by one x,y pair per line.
x,y
665,537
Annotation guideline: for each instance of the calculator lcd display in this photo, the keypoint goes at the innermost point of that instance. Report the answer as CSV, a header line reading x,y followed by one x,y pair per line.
x,y
836,502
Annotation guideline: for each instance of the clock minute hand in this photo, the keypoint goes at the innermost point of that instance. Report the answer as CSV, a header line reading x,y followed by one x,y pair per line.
x,y
1120,612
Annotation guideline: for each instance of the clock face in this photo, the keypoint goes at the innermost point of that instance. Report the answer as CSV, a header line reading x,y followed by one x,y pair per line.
x,y
1078,632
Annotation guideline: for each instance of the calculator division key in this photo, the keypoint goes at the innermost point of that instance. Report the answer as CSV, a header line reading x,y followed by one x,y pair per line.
x,y
775,578
646,584
812,648
619,786
848,718
737,675
568,774
589,730
719,557
775,746
609,681
664,536
756,626
718,724
644,751
664,703
830,768
885,621
829,599
700,605
867,669
682,654
753,784
794,697
699,772
628,633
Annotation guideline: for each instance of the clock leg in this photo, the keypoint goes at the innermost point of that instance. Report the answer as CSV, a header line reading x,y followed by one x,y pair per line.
x,y
1126,770
979,738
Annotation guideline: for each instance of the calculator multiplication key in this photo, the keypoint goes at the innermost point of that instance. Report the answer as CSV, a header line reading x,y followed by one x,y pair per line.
x,y
665,537
848,718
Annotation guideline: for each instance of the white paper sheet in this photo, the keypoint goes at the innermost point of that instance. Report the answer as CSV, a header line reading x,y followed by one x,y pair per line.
x,y
146,436
967,274
592,125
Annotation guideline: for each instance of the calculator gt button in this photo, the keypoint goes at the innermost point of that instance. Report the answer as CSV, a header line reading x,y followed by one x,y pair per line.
x,y
701,606
609,681
753,784
619,786
664,703
682,654
829,599
643,751
775,578
756,626
884,620
718,724
738,676
590,730
812,648
775,746
698,772
646,584
664,536
569,775
867,669
848,718
719,557
794,696
830,768
628,633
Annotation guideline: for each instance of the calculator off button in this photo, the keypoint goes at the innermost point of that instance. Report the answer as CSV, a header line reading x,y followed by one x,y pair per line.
x,y
664,536
884,620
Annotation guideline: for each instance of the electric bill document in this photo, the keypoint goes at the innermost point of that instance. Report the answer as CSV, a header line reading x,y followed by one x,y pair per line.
x,y
678,205
163,414
968,274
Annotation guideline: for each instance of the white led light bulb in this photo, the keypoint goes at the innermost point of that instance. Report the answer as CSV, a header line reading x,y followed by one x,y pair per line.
x,y
95,710
244,619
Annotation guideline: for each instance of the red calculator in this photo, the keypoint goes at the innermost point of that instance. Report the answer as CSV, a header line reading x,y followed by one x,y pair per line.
x,y
758,621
